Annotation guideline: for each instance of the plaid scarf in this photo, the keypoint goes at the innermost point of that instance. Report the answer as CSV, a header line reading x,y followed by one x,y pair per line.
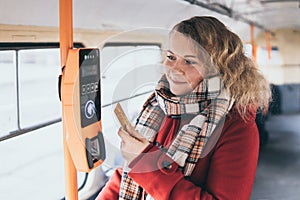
x,y
209,102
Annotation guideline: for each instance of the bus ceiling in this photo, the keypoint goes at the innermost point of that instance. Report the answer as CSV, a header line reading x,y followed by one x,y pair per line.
x,y
265,15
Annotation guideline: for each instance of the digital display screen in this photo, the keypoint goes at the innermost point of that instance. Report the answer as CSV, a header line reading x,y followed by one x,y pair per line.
x,y
89,70
89,79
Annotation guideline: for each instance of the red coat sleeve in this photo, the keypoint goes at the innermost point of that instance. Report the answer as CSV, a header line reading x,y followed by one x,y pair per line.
x,y
112,187
230,174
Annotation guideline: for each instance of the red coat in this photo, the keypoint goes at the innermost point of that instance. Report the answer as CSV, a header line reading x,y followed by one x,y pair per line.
x,y
227,172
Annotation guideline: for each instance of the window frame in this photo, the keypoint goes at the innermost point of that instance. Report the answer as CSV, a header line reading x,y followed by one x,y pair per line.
x,y
10,46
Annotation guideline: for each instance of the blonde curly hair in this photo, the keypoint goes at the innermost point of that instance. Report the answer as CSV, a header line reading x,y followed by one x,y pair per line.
x,y
240,74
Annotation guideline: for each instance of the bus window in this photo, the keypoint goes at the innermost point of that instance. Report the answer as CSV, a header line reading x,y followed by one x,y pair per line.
x,y
8,108
29,103
271,68
38,72
125,79
274,68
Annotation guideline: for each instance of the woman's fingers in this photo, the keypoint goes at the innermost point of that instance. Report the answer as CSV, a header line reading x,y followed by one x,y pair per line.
x,y
123,134
132,143
134,133
127,138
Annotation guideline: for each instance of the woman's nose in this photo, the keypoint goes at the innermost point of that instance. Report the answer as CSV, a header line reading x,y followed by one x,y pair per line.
x,y
177,67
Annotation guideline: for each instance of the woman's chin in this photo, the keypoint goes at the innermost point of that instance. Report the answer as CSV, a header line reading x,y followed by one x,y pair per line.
x,y
180,91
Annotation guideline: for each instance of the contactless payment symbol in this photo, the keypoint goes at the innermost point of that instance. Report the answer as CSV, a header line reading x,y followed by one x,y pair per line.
x,y
90,109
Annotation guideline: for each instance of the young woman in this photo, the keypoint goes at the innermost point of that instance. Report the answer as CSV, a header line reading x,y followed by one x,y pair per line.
x,y
196,137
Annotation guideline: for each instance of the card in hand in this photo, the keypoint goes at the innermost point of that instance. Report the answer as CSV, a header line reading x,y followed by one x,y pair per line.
x,y
121,116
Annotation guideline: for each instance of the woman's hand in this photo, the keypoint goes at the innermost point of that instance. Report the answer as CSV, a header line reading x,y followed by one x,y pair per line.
x,y
132,143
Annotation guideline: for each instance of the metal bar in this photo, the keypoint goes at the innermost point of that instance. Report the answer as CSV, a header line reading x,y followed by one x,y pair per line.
x,y
117,44
291,65
228,12
125,99
209,7
66,29
32,45
268,44
28,129
42,125
66,43
277,1
17,90
252,42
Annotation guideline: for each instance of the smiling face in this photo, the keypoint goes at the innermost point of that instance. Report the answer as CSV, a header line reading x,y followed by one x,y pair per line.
x,y
184,69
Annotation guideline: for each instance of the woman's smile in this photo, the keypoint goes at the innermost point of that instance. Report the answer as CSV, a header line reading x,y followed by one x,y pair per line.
x,y
176,81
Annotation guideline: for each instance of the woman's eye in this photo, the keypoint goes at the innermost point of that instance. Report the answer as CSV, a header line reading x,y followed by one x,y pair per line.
x,y
170,57
190,62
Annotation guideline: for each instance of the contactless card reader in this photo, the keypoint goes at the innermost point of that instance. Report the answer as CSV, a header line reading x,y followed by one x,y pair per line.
x,y
82,108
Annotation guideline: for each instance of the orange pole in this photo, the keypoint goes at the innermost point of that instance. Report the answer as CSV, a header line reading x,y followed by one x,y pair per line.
x,y
252,42
66,29
268,43
66,43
